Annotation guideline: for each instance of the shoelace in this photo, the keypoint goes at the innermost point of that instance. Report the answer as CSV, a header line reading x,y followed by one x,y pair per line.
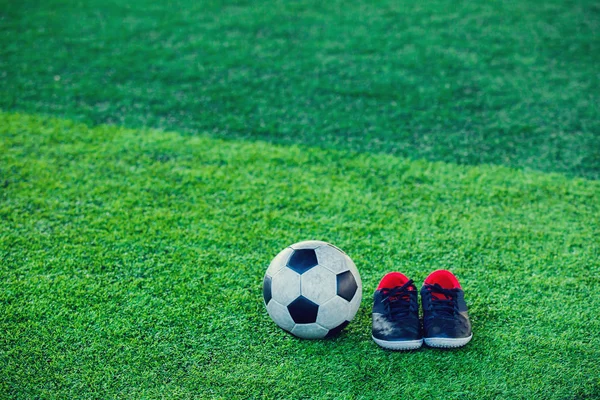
x,y
397,300
445,305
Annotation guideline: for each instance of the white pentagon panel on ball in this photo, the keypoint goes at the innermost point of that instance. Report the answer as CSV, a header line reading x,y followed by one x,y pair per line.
x,y
308,244
285,286
337,248
310,331
333,313
332,259
280,315
279,261
318,284
354,305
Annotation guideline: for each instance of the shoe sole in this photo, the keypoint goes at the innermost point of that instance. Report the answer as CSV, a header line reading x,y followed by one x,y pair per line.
x,y
399,344
447,343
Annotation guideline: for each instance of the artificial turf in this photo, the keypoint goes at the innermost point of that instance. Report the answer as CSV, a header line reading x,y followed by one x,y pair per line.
x,y
131,259
131,264
505,82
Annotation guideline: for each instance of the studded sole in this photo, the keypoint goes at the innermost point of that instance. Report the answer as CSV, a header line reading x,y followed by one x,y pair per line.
x,y
447,343
399,344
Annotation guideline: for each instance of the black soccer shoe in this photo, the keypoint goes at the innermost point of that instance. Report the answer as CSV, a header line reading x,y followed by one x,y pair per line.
x,y
445,319
396,323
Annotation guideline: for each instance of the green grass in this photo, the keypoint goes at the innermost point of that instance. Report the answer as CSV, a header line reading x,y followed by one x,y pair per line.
x,y
154,156
131,264
507,83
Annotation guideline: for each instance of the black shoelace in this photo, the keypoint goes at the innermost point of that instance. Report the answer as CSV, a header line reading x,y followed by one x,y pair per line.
x,y
445,305
397,300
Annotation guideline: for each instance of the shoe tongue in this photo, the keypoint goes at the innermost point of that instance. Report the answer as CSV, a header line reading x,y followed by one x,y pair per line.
x,y
439,296
435,295
399,295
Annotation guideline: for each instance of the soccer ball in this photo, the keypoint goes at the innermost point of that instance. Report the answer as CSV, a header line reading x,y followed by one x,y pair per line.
x,y
312,289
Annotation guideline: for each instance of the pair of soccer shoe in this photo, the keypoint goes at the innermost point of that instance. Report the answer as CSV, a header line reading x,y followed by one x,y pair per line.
x,y
396,324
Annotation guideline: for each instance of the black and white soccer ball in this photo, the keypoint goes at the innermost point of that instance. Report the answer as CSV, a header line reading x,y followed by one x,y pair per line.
x,y
312,289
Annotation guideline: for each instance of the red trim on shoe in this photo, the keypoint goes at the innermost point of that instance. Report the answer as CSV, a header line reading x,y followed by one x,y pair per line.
x,y
444,278
393,279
